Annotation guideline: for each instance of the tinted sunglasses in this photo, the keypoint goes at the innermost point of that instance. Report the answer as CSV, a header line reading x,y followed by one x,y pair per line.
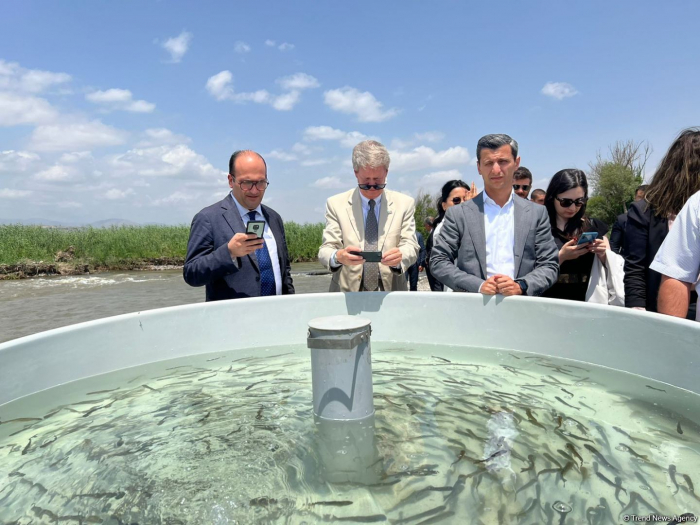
x,y
525,187
566,203
371,186
458,200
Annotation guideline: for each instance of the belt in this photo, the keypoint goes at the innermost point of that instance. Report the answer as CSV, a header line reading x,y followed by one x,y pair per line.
x,y
572,278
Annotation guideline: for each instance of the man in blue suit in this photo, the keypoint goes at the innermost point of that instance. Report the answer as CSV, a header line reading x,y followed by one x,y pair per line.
x,y
231,263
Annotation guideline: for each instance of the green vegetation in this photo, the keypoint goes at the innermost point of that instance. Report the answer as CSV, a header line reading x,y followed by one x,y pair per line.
x,y
615,179
119,247
425,207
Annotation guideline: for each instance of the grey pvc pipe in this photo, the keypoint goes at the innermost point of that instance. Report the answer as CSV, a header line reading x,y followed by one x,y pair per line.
x,y
341,367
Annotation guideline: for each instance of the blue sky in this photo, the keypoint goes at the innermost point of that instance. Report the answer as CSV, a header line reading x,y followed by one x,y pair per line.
x,y
132,109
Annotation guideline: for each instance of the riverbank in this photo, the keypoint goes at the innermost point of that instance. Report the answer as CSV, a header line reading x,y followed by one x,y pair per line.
x,y
32,251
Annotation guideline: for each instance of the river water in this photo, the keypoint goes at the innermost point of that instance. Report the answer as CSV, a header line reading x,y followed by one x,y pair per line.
x,y
29,306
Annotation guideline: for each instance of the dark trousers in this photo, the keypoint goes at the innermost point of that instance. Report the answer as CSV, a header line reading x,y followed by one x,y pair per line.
x,y
412,277
435,285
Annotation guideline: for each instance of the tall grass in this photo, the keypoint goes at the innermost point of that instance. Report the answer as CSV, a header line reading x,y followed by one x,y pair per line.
x,y
118,245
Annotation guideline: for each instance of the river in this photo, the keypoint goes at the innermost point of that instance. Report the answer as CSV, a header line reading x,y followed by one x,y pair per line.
x,y
29,306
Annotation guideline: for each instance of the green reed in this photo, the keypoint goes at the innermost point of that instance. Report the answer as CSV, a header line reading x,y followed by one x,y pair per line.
x,y
118,245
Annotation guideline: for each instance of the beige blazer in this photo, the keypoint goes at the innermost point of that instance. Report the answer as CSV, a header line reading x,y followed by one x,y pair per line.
x,y
345,226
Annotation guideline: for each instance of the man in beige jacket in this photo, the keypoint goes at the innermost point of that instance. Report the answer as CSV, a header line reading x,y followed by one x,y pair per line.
x,y
372,219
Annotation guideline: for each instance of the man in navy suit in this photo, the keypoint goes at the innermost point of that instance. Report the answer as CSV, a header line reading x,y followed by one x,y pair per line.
x,y
231,263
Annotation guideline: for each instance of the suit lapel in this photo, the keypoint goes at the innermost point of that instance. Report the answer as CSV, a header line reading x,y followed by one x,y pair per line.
x,y
386,217
521,215
276,233
233,218
477,228
355,216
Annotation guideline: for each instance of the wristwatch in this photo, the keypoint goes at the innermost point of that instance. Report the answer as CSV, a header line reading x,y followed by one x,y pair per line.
x,y
523,285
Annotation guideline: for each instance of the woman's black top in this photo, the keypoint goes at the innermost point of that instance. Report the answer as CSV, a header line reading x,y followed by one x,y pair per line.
x,y
574,274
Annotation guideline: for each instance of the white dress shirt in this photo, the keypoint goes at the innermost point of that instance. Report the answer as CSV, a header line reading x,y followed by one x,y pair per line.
x,y
269,241
679,255
499,226
365,211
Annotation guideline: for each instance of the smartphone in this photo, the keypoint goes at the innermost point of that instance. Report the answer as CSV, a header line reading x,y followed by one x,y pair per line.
x,y
369,256
256,227
587,237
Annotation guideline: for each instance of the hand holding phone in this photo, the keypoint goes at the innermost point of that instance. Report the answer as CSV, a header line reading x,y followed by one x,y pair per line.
x,y
369,256
257,228
587,237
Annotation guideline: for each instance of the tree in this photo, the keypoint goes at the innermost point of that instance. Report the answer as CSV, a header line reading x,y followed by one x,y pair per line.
x,y
613,181
615,188
425,207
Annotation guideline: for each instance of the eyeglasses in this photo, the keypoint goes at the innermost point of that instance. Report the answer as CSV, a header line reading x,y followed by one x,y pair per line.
x,y
247,185
458,200
525,187
566,203
371,186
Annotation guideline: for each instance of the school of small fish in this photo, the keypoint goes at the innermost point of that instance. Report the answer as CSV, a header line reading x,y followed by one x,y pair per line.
x,y
459,437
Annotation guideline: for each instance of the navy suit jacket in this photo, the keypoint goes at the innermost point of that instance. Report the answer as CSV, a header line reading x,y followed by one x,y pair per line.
x,y
208,262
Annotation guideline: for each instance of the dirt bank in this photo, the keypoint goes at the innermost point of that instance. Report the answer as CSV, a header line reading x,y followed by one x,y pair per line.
x,y
27,269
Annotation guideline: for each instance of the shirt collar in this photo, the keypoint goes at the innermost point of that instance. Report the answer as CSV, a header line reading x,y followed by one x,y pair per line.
x,y
488,200
244,212
365,201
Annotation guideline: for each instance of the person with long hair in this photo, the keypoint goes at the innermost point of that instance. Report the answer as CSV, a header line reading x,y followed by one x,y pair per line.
x,y
453,192
565,200
648,221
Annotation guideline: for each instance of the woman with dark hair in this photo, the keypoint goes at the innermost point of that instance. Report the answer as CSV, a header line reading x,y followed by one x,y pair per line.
x,y
565,201
648,221
453,192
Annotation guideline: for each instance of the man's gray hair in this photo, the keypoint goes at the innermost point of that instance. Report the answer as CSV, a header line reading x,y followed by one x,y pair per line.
x,y
495,141
370,154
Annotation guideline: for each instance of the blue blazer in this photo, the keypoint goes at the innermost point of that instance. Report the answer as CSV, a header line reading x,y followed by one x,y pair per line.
x,y
208,262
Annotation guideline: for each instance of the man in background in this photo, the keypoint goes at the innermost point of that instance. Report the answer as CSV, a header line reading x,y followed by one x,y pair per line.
x,y
369,218
523,182
221,256
417,267
537,196
617,235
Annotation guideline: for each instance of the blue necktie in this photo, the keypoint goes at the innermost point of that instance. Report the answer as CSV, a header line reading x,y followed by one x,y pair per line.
x,y
267,275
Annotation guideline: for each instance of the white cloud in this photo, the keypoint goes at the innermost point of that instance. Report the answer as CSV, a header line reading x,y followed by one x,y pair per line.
x,y
362,104
220,86
7,193
241,47
16,78
270,43
120,99
285,46
559,90
177,46
281,155
116,194
160,137
424,157
287,101
56,173
298,81
68,205
301,148
179,197
346,138
437,178
316,162
77,156
77,136
328,183
430,136
17,161
16,110
164,161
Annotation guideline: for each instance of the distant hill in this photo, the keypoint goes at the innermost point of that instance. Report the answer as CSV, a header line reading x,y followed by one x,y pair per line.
x,y
108,223
40,221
